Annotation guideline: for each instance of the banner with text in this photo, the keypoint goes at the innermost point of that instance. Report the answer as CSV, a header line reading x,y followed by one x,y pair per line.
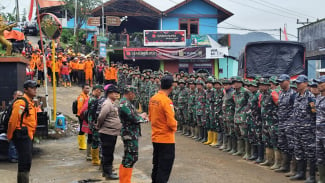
x,y
164,53
212,53
164,38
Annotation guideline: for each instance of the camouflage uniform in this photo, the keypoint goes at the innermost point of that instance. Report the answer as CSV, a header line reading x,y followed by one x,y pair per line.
x,y
131,130
228,112
305,126
200,107
286,125
241,97
254,119
269,109
92,120
182,98
217,125
320,130
210,100
191,107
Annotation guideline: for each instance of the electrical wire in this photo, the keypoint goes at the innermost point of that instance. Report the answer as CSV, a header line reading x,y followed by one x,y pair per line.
x,y
278,9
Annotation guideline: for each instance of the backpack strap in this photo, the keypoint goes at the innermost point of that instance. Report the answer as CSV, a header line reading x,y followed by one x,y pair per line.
x,y
26,111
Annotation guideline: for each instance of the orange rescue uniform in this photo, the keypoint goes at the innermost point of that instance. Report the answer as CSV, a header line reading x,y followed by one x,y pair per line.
x,y
161,115
29,121
89,65
81,100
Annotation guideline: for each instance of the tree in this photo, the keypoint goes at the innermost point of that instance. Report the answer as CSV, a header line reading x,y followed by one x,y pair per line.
x,y
84,8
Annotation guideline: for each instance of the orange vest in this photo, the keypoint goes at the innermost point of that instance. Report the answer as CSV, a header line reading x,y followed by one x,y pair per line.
x,y
81,66
89,65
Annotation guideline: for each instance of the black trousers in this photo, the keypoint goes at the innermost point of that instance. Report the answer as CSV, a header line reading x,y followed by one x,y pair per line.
x,y
108,147
81,77
163,160
80,126
24,148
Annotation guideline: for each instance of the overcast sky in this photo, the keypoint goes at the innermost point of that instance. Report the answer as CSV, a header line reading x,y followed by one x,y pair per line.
x,y
248,14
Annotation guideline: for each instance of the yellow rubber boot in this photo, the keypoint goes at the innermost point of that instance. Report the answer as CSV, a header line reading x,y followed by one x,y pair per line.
x,y
95,156
214,139
209,138
82,142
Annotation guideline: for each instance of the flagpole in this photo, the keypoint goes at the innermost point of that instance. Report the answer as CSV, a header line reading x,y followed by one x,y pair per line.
x,y
280,33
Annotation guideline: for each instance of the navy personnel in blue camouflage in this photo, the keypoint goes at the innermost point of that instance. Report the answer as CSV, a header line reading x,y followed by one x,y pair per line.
x,y
304,116
320,129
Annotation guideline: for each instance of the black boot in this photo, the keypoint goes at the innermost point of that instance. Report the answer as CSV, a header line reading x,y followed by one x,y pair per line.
x,y
260,154
312,172
285,167
201,130
23,177
109,175
254,152
301,171
205,135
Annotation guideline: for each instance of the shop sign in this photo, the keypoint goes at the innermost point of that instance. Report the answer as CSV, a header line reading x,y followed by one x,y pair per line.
x,y
164,38
113,21
183,65
93,21
164,53
202,65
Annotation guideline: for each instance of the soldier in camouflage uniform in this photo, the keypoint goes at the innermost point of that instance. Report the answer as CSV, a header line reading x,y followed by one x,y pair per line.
x,y
269,102
217,112
255,124
191,108
122,80
182,112
145,94
228,112
274,84
320,129
174,98
241,97
304,116
286,126
92,122
200,108
130,132
210,117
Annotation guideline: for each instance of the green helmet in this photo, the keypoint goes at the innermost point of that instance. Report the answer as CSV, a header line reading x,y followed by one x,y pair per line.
x,y
200,82
273,80
237,79
181,81
264,81
227,81
210,80
253,83
130,88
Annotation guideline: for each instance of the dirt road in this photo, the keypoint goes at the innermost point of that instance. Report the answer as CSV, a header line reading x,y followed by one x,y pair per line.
x,y
60,161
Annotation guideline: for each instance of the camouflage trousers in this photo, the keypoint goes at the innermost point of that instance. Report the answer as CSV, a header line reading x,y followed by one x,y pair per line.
x,y
320,144
182,115
131,153
95,140
286,137
255,134
209,120
241,130
305,143
229,127
191,119
270,134
216,124
200,120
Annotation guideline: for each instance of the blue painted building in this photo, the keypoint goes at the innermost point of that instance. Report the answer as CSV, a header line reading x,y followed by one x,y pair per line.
x,y
197,17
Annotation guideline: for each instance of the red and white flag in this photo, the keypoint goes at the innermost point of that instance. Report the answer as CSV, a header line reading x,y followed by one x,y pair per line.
x,y
31,10
285,33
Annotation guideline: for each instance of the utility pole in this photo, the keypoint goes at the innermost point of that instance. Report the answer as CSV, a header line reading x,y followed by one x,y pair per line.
x,y
75,17
280,33
17,11
103,26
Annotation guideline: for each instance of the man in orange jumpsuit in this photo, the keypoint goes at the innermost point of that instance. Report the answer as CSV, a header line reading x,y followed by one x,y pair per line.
x,y
82,98
21,129
89,65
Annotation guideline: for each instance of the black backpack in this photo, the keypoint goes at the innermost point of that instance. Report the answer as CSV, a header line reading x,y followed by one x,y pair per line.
x,y
75,107
5,116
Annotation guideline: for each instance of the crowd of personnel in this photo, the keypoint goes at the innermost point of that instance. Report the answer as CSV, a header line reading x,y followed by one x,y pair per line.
x,y
271,121
71,68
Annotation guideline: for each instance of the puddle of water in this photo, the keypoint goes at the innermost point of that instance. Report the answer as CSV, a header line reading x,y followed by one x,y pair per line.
x,y
87,181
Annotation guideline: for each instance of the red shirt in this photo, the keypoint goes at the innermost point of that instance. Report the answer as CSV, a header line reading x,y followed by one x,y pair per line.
x,y
65,70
